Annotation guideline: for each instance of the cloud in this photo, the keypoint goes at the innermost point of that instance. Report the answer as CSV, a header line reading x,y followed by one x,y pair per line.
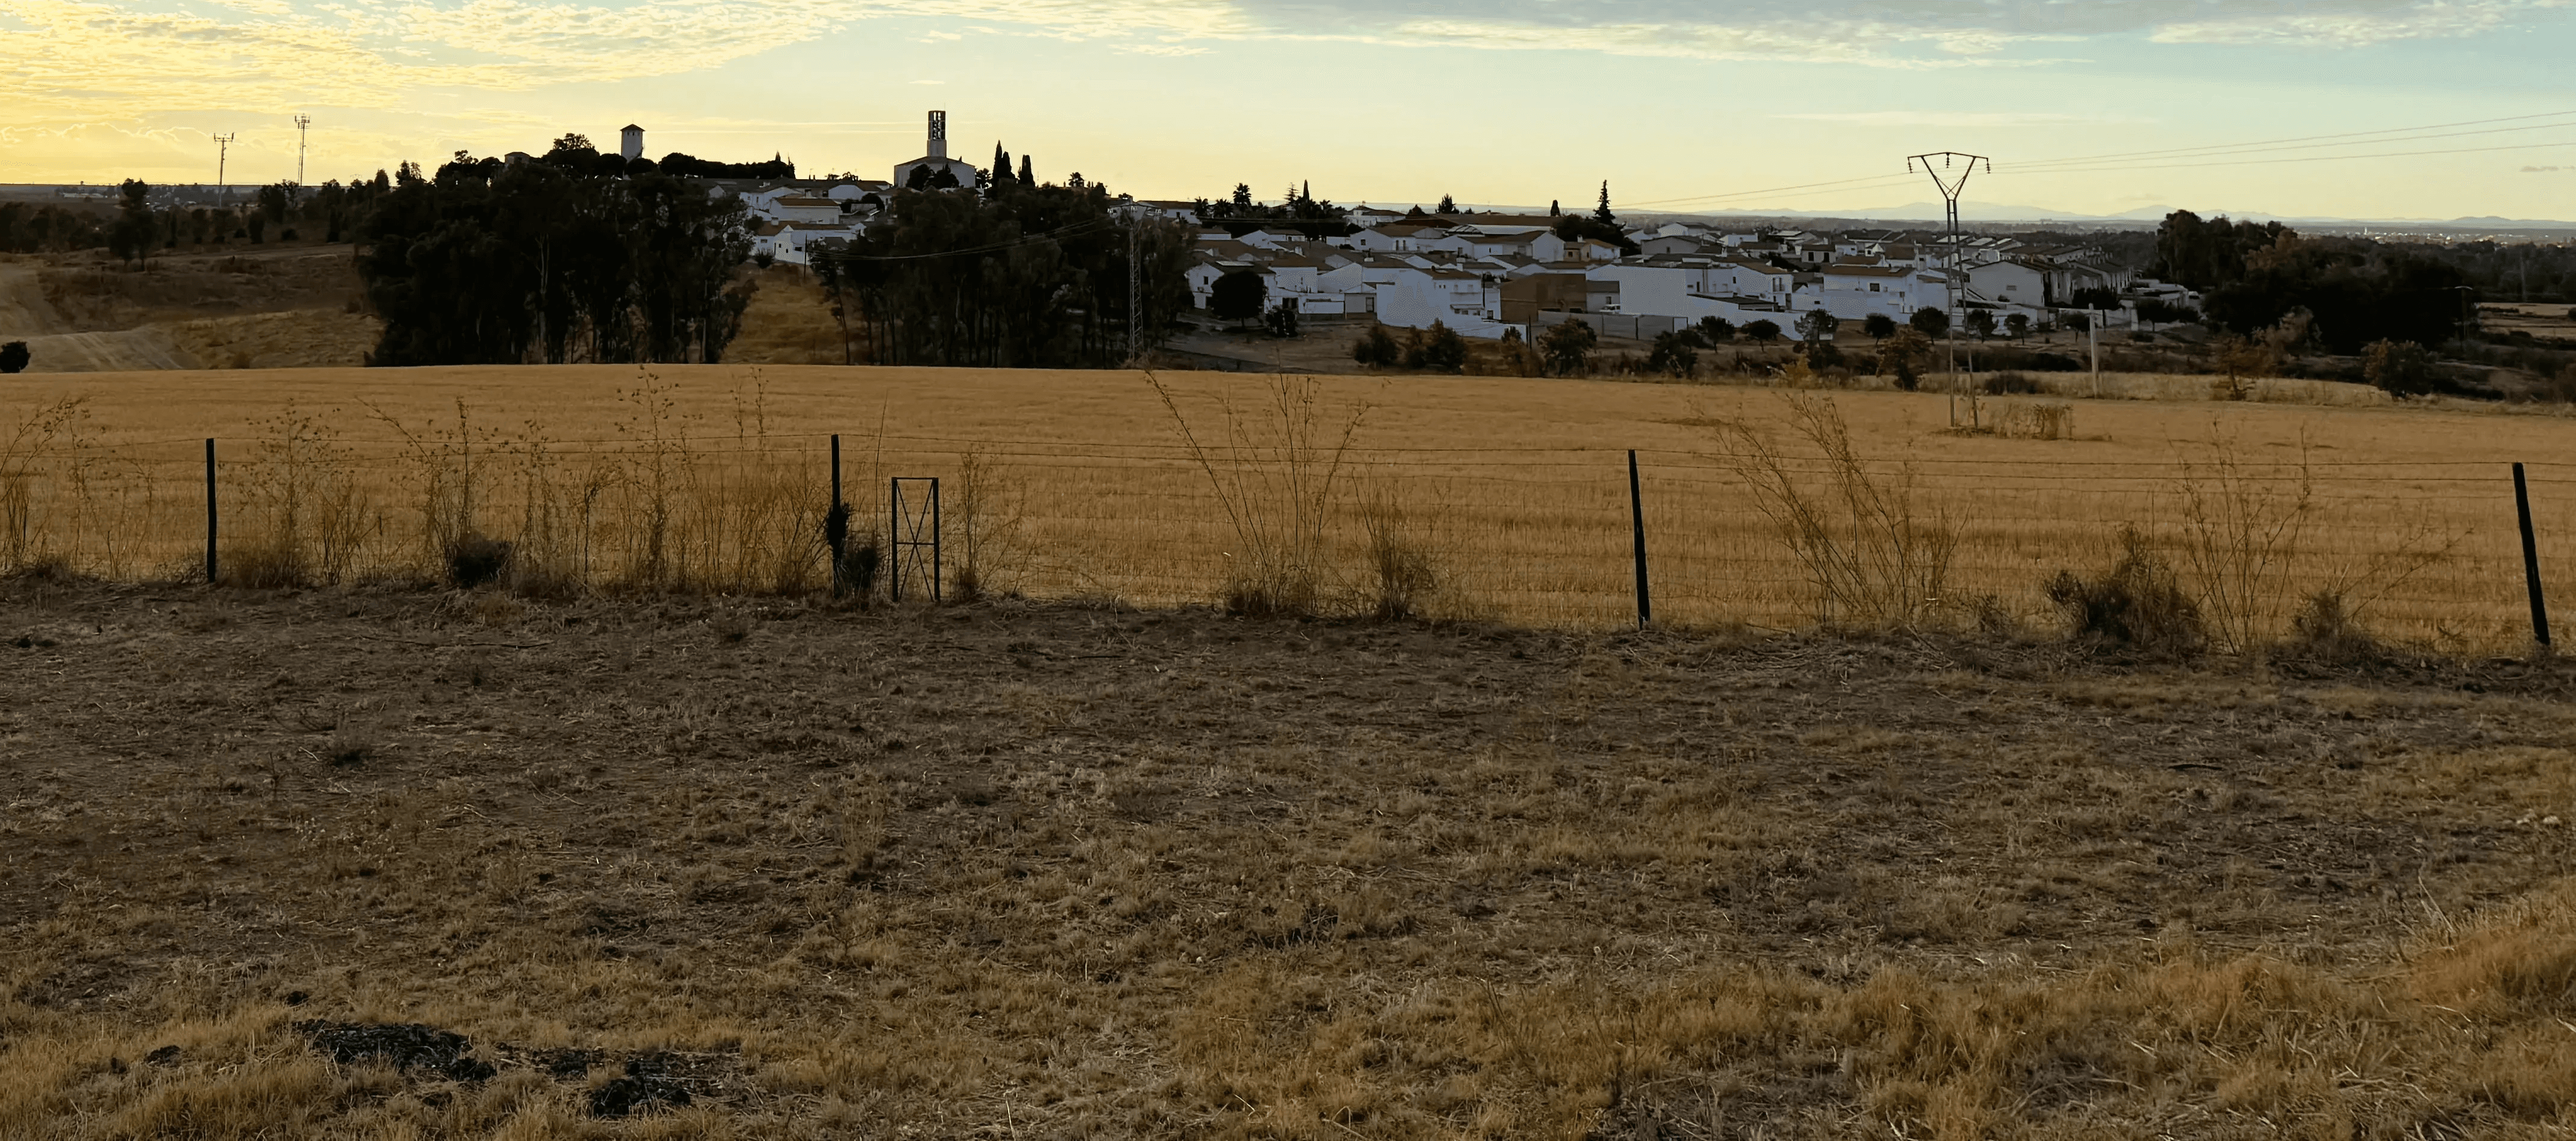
x,y
72,61
2548,169
1952,118
2355,23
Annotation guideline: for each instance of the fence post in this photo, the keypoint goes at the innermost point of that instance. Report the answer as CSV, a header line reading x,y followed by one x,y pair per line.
x,y
210,511
2530,560
1637,525
894,538
838,537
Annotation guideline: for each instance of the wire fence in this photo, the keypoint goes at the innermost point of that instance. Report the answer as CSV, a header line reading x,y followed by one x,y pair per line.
x,y
2423,551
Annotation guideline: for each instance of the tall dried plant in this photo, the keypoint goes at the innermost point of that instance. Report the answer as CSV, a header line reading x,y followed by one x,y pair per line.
x,y
988,513
1874,547
2242,526
307,516
30,445
1276,476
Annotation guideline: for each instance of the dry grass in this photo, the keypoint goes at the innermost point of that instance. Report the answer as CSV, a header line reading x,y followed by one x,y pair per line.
x,y
1527,475
1012,871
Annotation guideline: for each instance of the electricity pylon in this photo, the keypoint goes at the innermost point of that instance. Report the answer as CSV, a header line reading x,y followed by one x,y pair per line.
x,y
223,149
301,122
1952,179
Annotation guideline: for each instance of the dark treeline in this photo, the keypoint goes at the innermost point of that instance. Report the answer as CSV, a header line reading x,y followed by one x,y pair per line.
x,y
1029,277
691,166
2355,290
43,227
552,260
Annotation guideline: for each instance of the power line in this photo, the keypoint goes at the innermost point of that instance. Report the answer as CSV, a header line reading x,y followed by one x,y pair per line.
x,y
2302,158
2362,137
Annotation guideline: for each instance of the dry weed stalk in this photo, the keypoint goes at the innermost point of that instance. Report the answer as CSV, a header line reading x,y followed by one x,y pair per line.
x,y
1277,478
1410,564
22,455
2241,532
1875,551
443,484
307,515
990,511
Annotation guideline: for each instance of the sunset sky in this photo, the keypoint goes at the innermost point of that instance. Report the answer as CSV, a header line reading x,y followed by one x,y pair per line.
x,y
1680,105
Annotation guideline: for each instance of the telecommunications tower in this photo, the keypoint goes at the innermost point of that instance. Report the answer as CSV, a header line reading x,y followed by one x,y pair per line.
x,y
1951,176
223,149
301,122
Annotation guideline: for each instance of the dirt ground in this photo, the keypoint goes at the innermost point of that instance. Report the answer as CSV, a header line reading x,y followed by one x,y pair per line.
x,y
394,863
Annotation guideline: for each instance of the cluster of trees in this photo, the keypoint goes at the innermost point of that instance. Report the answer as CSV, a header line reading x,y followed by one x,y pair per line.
x,y
680,165
43,227
136,230
552,260
1021,277
1299,204
2355,290
1437,349
1600,224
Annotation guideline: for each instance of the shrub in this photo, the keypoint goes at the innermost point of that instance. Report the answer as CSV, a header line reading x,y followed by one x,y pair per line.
x,y
2011,384
1876,551
2326,628
1568,347
1440,349
14,357
474,559
1377,348
1674,354
2138,604
2399,368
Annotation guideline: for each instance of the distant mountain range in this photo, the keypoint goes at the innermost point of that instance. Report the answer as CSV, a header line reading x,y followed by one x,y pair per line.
x,y
1997,212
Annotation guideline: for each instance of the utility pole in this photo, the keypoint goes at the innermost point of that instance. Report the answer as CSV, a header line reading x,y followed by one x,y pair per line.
x,y
1134,288
223,149
2093,344
1951,177
301,122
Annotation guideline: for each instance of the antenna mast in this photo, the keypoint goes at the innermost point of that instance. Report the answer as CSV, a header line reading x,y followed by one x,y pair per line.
x,y
301,122
1951,176
223,149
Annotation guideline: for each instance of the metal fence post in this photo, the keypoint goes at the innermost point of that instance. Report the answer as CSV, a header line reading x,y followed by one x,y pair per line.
x,y
2530,560
210,511
1637,524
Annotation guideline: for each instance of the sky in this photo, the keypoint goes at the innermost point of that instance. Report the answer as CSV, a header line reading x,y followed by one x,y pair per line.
x,y
2299,108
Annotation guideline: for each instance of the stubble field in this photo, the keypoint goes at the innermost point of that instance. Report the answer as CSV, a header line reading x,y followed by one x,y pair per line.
x,y
394,864
1513,492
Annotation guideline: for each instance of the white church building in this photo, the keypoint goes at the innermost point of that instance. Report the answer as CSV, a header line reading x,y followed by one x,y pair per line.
x,y
931,165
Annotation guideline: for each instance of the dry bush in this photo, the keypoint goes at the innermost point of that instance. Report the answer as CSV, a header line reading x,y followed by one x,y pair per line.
x,y
1276,477
2241,528
1409,565
1873,544
989,510
23,454
2139,603
303,516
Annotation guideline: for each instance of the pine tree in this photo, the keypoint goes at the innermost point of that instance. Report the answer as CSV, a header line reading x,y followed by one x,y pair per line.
x,y
1447,205
1552,211
1026,178
1602,212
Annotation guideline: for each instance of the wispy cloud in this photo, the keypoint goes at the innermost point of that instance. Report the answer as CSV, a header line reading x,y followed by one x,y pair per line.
x,y
1909,118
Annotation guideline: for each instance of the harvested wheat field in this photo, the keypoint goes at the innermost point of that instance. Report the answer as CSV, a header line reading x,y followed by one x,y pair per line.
x,y
1470,497
388,863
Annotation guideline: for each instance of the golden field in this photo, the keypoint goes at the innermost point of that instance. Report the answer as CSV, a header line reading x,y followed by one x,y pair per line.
x,y
1514,488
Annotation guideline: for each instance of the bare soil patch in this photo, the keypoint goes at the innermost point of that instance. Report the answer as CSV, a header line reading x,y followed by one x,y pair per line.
x,y
716,867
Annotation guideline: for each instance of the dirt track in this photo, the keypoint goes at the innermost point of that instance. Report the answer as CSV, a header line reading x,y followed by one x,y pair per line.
x,y
1041,847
